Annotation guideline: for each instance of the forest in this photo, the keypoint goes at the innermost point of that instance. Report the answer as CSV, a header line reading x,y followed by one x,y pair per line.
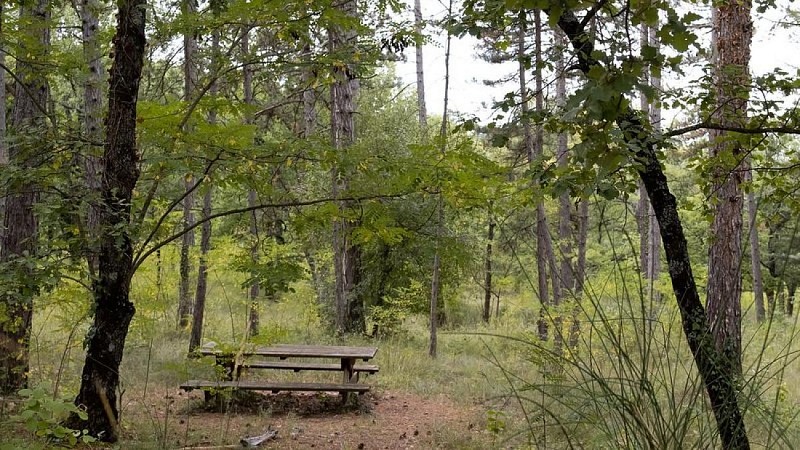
x,y
602,255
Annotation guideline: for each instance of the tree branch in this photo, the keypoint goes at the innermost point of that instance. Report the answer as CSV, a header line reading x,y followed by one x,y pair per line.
x,y
142,255
172,206
742,130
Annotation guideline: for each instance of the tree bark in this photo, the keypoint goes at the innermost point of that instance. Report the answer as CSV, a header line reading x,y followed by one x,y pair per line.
x,y
649,236
487,285
3,143
188,8
92,122
113,308
20,225
732,31
755,254
436,312
198,312
719,377
254,293
347,254
533,150
419,25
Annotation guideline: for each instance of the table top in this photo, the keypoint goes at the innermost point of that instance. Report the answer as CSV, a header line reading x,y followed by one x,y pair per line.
x,y
306,351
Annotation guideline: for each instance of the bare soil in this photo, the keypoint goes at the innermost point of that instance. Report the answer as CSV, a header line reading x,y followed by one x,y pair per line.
x,y
384,420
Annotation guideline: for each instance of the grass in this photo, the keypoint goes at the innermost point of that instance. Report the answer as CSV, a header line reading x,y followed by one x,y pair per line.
x,y
630,383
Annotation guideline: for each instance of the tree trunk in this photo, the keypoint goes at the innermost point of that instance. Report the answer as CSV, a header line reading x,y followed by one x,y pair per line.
x,y
113,308
198,312
755,254
654,234
3,143
643,210
649,236
580,270
533,151
436,316
487,287
566,219
347,255
418,27
252,195
92,122
792,288
188,8
20,226
719,377
732,32
309,96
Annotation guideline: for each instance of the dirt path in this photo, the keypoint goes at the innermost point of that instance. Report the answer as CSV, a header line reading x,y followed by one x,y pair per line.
x,y
389,420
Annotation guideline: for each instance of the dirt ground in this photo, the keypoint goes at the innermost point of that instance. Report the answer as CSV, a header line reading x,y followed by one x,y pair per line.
x,y
384,420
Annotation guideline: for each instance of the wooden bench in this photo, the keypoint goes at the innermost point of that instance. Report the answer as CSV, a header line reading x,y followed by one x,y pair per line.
x,y
234,362
298,366
275,387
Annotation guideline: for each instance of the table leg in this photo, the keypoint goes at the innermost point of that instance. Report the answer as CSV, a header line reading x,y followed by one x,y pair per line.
x,y
348,377
347,368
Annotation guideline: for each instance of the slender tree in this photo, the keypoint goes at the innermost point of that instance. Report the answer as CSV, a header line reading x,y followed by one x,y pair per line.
x,y
755,252
189,9
534,149
436,275
252,195
20,225
732,33
113,308
198,311
418,28
3,143
487,285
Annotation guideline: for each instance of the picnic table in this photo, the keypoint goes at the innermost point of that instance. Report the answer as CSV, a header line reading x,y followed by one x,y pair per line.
x,y
351,362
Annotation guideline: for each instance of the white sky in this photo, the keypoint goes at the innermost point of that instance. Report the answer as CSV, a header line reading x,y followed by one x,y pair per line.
x,y
772,47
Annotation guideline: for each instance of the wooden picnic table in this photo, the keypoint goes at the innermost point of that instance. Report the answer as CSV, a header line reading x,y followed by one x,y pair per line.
x,y
347,364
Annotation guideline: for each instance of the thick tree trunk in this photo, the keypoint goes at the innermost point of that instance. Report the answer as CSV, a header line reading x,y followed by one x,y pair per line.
x,y
792,288
418,27
113,308
732,31
716,371
18,243
92,122
487,285
188,8
347,255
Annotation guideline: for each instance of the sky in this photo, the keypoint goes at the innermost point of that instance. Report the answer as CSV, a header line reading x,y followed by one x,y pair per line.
x,y
773,46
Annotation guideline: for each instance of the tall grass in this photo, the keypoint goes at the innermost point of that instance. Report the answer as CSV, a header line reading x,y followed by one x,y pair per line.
x,y
630,383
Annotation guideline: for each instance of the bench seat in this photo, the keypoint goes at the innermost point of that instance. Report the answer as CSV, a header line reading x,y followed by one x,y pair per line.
x,y
298,366
275,387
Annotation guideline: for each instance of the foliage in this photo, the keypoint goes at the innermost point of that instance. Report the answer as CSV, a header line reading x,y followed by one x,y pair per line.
x,y
42,415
